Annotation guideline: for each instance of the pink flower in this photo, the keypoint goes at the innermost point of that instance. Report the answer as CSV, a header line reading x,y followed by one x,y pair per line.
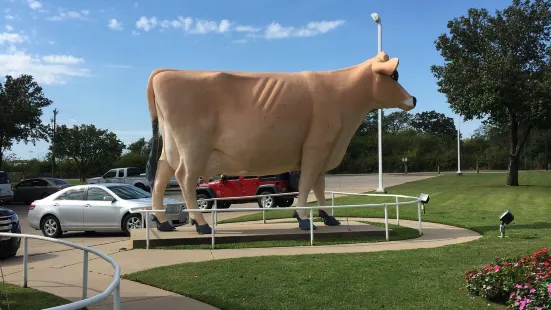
x,y
549,287
532,291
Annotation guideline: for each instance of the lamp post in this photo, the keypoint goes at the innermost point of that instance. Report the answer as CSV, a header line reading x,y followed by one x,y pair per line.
x,y
458,147
380,189
405,161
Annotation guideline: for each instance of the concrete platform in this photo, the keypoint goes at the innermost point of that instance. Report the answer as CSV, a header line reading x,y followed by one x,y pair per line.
x,y
251,231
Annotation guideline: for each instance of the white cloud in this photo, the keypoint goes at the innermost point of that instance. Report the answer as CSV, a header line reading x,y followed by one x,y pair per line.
x,y
276,31
187,24
66,15
33,4
273,30
240,41
9,17
62,59
49,70
135,33
114,24
247,29
9,28
13,38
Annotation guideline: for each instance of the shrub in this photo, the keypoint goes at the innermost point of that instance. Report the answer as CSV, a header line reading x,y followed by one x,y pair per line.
x,y
522,283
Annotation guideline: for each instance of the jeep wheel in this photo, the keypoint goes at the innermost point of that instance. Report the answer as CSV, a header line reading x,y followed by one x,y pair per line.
x,y
204,204
285,202
268,201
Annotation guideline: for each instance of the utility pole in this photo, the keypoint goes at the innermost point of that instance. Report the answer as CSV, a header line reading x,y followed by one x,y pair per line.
x,y
53,140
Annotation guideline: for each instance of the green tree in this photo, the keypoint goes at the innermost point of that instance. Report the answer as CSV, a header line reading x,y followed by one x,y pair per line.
x,y
495,67
21,103
140,147
434,123
397,121
88,146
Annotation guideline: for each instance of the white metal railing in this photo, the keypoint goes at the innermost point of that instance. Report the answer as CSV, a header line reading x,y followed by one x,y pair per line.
x,y
113,288
416,200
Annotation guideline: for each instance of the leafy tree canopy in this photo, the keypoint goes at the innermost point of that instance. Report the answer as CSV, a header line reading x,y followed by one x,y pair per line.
x,y
88,146
21,103
498,67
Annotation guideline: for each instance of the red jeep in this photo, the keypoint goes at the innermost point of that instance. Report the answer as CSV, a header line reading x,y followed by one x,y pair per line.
x,y
232,186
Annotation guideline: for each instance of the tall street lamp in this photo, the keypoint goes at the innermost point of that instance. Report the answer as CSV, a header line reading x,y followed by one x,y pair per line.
x,y
380,189
458,147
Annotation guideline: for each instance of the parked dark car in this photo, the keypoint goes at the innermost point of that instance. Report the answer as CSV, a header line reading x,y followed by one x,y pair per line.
x,y
9,223
30,190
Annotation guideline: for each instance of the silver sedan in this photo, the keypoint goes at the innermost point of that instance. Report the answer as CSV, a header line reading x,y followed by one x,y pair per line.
x,y
97,207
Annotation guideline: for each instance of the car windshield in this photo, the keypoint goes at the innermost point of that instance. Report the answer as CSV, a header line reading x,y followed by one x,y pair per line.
x,y
4,178
129,192
59,182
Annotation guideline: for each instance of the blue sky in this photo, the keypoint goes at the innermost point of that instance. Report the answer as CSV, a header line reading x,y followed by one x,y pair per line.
x,y
93,58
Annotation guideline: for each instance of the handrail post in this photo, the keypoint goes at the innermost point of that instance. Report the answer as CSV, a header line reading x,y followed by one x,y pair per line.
x,y
25,260
147,224
311,226
419,215
213,228
397,211
85,275
332,203
117,297
386,223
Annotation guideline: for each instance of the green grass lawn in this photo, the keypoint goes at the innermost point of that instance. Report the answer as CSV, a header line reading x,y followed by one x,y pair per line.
x,y
413,279
19,298
396,233
76,181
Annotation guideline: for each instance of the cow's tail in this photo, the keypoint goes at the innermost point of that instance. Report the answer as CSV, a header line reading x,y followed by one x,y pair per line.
x,y
151,166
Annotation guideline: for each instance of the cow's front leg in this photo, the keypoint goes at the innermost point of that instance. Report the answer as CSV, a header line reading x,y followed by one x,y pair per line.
x,y
319,191
313,161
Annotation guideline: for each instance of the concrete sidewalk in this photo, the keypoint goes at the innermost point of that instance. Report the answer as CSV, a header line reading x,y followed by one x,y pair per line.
x,y
59,270
62,275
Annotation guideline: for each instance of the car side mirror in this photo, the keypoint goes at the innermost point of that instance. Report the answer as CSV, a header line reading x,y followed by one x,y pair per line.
x,y
109,198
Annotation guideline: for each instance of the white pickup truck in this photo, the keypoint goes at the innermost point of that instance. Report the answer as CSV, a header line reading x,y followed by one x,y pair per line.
x,y
130,175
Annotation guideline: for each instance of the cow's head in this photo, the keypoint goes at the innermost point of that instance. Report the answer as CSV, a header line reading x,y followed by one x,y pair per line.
x,y
387,92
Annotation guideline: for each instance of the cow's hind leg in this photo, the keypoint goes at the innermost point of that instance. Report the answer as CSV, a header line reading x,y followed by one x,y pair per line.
x,y
313,160
319,191
192,164
162,177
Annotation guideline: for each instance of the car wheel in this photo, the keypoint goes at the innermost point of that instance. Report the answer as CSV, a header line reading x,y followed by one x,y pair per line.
x,y
204,204
268,201
285,202
51,227
132,221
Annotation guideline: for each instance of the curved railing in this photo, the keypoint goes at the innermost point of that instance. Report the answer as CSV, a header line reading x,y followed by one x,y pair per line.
x,y
113,288
420,201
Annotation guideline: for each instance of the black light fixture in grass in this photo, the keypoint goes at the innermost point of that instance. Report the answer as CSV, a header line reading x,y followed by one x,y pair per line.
x,y
424,199
506,218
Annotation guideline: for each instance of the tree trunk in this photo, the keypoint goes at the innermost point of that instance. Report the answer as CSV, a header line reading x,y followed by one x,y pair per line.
x,y
546,149
512,178
515,149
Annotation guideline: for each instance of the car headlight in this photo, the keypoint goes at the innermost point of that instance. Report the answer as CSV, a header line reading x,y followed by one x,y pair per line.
x,y
14,218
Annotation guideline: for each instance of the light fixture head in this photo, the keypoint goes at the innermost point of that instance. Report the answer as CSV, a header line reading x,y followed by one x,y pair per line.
x,y
507,217
424,198
376,17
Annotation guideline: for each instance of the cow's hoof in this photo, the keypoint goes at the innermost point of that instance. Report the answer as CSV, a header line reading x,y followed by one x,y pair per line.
x,y
164,226
328,220
202,229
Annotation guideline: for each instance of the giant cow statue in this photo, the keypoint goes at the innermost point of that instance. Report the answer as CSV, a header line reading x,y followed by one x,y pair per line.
x,y
261,123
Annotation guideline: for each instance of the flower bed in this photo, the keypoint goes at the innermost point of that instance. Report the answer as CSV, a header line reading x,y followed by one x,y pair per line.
x,y
522,283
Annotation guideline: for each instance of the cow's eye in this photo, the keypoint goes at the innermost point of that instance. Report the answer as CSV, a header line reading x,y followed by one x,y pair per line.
x,y
394,75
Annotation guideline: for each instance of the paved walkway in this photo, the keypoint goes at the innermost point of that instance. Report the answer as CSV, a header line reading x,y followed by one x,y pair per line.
x,y
60,271
62,275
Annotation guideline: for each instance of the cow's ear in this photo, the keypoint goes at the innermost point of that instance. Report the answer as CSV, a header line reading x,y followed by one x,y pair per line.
x,y
386,67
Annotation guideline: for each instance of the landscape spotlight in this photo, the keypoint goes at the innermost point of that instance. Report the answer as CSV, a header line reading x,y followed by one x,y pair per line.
x,y
424,198
506,218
